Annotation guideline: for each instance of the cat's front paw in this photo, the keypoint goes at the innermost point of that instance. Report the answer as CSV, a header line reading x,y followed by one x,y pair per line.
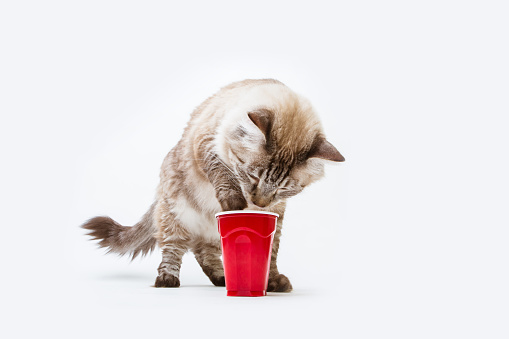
x,y
233,201
218,281
167,280
279,283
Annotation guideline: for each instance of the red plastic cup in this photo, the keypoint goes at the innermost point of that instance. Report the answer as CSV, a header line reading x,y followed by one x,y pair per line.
x,y
246,239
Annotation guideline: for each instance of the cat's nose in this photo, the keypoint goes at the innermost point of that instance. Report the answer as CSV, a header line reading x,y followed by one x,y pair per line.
x,y
260,201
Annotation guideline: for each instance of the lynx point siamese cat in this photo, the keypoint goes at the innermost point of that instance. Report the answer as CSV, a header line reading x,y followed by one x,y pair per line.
x,y
252,145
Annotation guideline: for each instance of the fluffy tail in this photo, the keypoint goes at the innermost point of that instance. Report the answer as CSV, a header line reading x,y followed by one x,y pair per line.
x,y
124,239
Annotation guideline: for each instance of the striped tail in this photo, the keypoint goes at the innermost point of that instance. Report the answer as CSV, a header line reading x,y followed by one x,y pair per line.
x,y
131,240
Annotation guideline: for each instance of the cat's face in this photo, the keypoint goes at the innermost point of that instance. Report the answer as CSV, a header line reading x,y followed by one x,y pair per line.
x,y
266,180
272,167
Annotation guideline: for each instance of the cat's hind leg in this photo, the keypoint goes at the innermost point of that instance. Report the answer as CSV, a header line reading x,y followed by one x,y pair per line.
x,y
174,242
208,256
169,269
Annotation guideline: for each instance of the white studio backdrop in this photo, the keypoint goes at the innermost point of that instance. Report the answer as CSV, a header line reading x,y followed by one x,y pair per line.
x,y
406,239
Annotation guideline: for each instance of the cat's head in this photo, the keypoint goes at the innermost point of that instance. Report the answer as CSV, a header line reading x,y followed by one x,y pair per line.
x,y
276,152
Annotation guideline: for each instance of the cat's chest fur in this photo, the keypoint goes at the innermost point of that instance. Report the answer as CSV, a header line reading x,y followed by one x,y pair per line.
x,y
198,216
198,224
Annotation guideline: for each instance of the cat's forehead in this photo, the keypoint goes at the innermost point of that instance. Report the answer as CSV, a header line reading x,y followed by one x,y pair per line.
x,y
293,123
295,127
288,142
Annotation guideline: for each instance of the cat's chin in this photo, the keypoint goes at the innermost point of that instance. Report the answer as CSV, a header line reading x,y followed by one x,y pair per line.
x,y
269,208
253,207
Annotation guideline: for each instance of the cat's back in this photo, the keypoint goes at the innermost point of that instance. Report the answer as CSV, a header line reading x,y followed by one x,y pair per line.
x,y
249,91
232,102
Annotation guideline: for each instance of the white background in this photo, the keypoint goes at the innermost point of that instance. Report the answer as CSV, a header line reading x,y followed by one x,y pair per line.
x,y
407,239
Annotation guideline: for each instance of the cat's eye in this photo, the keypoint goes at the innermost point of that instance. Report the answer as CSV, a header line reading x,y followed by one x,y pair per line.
x,y
285,192
254,178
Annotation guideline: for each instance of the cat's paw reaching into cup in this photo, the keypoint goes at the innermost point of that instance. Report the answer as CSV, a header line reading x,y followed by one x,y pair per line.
x,y
234,201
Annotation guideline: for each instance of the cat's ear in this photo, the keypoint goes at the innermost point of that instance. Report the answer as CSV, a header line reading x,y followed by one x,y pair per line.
x,y
325,150
262,118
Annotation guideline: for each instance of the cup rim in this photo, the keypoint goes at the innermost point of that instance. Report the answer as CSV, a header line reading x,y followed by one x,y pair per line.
x,y
246,212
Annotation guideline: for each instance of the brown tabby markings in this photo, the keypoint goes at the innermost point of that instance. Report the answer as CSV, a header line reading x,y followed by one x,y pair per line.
x,y
252,145
121,239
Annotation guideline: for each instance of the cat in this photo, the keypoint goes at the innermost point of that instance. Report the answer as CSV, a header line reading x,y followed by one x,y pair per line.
x,y
252,145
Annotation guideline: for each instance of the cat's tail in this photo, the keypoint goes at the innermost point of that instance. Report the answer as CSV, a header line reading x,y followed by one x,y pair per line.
x,y
132,240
